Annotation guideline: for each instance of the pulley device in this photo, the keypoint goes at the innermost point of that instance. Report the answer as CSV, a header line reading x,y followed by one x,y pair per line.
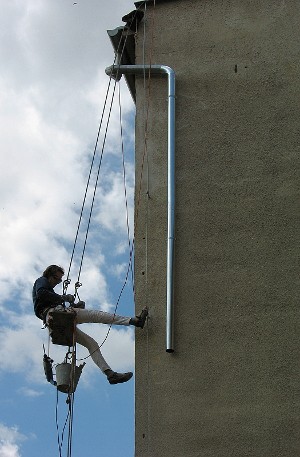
x,y
66,284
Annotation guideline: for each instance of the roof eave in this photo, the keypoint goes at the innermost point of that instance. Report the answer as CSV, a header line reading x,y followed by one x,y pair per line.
x,y
123,43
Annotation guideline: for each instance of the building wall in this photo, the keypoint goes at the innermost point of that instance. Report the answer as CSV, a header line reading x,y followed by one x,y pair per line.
x,y
232,386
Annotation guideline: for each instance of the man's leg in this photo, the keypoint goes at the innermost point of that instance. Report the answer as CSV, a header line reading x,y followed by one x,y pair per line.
x,y
101,317
85,316
94,350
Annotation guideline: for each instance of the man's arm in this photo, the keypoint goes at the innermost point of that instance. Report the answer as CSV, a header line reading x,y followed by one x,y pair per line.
x,y
45,294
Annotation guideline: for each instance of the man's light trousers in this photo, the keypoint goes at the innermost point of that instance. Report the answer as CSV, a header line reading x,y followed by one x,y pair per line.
x,y
88,316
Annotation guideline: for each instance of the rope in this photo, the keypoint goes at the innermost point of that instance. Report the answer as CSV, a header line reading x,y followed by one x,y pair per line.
x,y
92,162
145,156
71,395
130,244
70,401
147,98
70,434
60,439
56,422
89,176
147,94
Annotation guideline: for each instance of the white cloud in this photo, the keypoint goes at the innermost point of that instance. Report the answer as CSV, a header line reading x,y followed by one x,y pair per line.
x,y
21,346
111,212
52,90
9,450
27,392
51,97
11,434
9,439
53,57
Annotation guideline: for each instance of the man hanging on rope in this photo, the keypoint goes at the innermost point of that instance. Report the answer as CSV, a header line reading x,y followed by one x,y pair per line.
x,y
46,300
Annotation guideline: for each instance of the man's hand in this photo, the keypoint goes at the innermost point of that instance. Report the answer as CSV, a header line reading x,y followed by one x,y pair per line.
x,y
68,298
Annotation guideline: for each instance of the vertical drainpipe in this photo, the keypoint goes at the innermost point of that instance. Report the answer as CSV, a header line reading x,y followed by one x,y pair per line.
x,y
116,72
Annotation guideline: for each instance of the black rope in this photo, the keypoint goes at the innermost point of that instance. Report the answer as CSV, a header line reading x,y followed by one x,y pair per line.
x,y
70,400
56,422
88,181
96,184
115,312
70,414
130,245
93,158
60,439
70,431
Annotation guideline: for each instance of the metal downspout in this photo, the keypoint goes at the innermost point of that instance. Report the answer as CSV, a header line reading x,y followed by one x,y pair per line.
x,y
116,72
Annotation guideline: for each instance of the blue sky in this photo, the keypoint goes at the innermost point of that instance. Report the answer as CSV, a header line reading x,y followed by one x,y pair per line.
x,y
53,55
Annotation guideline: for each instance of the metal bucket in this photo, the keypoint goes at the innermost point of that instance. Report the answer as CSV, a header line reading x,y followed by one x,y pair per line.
x,y
67,377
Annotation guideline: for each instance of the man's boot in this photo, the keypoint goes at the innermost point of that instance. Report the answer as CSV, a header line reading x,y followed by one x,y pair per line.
x,y
139,321
117,378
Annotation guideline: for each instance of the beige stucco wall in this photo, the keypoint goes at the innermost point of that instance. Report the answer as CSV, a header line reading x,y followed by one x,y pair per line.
x,y
232,386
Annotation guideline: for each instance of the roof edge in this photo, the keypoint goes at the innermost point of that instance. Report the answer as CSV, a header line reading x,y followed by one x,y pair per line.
x,y
123,44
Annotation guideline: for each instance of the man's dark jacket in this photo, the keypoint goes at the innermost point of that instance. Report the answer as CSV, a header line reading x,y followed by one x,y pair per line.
x,y
43,296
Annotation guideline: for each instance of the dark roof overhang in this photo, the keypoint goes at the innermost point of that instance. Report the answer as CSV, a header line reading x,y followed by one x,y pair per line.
x,y
123,43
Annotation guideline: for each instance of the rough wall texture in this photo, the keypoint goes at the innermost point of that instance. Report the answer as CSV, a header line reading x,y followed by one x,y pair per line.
x,y
232,386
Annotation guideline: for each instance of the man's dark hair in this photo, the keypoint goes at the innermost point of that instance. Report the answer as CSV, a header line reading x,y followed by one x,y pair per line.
x,y
52,270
